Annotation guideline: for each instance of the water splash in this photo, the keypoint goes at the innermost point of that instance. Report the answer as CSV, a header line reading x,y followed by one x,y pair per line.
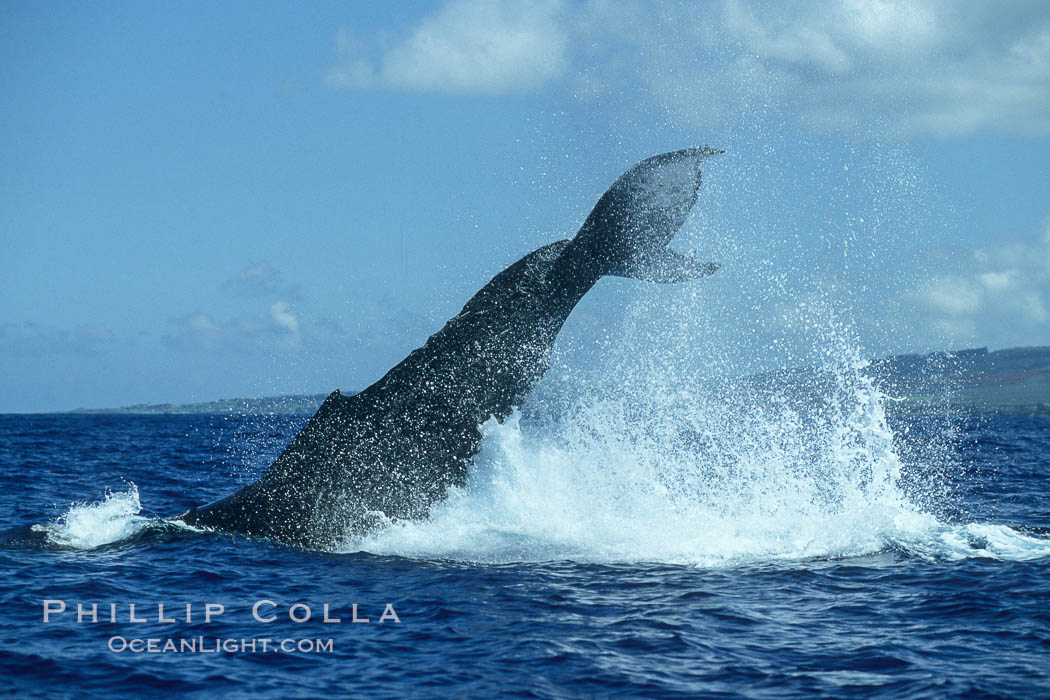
x,y
89,525
658,463
983,540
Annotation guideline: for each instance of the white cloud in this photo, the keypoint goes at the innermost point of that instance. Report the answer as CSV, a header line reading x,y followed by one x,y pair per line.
x,y
1033,306
284,318
791,41
260,281
998,281
30,339
899,67
242,334
952,295
887,25
259,330
1008,289
468,46
956,328
922,66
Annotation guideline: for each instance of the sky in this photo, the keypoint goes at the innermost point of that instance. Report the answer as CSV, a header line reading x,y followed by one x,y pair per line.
x,y
208,200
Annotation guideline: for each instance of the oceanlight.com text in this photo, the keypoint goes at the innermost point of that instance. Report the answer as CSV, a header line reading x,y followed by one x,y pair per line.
x,y
217,645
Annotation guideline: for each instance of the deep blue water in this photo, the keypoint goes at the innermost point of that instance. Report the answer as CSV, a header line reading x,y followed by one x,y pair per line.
x,y
953,604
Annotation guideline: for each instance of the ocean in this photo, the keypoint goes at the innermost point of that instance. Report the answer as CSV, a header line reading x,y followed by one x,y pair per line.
x,y
683,543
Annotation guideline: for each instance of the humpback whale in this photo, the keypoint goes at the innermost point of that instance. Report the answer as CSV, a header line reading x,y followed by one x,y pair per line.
x,y
391,451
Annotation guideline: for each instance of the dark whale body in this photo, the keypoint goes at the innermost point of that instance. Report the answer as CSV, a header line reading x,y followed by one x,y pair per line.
x,y
391,451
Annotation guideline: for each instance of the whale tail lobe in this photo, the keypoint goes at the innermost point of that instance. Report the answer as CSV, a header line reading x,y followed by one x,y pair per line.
x,y
629,228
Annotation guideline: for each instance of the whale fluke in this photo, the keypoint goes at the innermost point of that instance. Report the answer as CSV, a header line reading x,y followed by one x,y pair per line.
x,y
391,451
665,266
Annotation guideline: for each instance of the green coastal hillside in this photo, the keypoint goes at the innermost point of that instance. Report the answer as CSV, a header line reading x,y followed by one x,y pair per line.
x,y
1014,381
1011,381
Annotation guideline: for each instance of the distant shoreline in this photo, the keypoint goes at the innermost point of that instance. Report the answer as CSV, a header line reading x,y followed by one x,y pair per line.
x,y
288,404
1014,381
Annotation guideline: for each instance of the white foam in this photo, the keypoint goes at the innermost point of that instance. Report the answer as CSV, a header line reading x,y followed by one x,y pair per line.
x,y
658,471
90,525
977,540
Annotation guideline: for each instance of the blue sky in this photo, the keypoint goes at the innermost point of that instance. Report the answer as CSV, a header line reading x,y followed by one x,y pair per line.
x,y
232,199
